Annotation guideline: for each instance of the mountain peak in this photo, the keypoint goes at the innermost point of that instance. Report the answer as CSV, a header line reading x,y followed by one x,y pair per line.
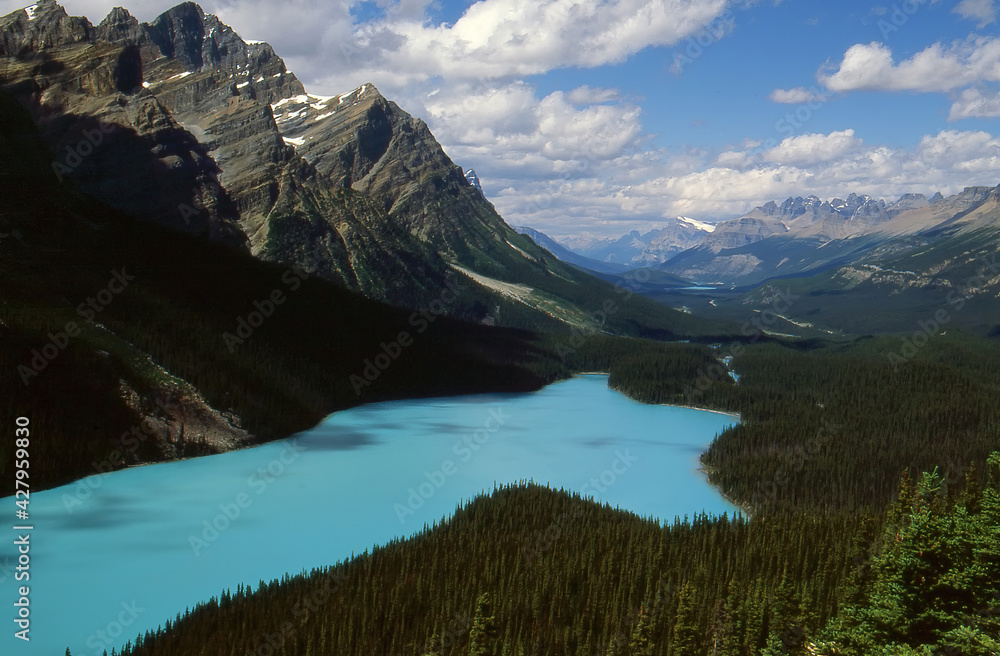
x,y
118,15
42,25
366,91
473,180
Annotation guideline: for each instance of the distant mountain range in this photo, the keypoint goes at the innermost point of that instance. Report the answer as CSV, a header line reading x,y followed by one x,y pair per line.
x,y
799,236
567,255
858,264
928,269
637,249
786,239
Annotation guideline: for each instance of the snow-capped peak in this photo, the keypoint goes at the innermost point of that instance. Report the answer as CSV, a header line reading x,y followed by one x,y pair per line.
x,y
700,225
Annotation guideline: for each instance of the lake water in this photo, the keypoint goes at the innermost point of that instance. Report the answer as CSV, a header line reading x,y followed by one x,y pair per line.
x,y
119,554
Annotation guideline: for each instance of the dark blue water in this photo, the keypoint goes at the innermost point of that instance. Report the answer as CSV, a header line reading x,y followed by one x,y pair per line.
x,y
119,554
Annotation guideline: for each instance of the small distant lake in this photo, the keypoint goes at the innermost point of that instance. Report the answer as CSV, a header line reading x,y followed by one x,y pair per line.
x,y
119,554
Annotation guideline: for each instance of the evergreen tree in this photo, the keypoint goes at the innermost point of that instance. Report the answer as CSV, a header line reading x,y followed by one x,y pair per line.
x,y
640,642
686,640
432,646
936,579
483,634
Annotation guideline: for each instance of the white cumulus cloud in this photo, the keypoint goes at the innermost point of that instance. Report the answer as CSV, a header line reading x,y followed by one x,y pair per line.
x,y
936,68
808,149
975,103
983,11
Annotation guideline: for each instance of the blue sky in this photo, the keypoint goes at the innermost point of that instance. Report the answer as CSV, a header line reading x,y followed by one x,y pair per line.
x,y
600,116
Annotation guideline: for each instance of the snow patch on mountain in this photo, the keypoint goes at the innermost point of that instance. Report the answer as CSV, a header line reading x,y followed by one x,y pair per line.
x,y
473,180
700,225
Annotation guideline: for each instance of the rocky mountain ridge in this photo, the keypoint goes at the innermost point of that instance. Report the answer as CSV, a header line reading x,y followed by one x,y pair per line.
x,y
567,255
804,234
636,249
181,121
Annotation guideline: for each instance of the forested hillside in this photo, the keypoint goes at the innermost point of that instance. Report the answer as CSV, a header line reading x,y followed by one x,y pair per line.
x,y
833,425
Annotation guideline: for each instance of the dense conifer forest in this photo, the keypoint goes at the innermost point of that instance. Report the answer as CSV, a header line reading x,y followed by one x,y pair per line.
x,y
561,576
832,425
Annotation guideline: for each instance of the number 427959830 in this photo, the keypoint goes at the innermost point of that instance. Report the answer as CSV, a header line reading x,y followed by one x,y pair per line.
x,y
21,464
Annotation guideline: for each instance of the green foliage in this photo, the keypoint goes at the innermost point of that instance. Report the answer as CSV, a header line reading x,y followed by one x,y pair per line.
x,y
833,426
936,578
484,634
686,636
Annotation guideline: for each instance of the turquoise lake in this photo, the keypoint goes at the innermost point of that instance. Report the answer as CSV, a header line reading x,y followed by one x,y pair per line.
x,y
118,554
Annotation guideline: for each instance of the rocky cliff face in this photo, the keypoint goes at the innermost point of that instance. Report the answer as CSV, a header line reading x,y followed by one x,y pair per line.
x,y
43,26
208,133
906,203
109,135
830,219
171,120
743,232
